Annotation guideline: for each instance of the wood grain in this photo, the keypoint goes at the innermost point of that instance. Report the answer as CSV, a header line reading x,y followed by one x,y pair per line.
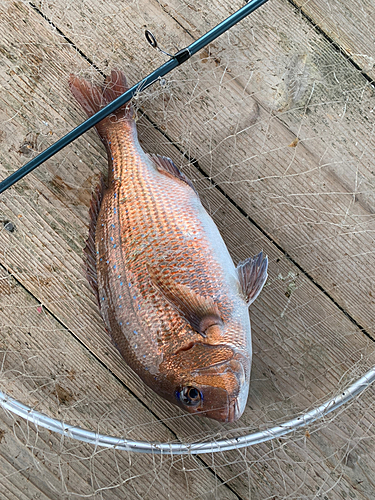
x,y
305,348
44,366
238,108
349,25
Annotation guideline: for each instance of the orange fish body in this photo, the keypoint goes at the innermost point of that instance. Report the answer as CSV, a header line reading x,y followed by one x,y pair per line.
x,y
173,301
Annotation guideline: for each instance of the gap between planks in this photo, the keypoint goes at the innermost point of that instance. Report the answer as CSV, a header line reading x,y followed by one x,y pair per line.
x,y
332,42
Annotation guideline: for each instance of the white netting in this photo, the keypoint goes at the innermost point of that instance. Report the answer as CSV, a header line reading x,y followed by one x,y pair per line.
x,y
278,125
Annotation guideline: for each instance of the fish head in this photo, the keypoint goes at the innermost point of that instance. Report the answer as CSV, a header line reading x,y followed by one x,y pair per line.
x,y
213,381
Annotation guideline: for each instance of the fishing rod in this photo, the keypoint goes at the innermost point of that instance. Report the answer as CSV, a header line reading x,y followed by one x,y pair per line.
x,y
176,60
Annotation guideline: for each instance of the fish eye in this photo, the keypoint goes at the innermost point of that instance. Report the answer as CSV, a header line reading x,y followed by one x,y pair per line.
x,y
190,396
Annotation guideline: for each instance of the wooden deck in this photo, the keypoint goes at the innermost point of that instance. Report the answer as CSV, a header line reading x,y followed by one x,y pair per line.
x,y
275,125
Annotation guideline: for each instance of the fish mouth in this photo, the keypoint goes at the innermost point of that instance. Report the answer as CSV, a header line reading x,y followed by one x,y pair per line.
x,y
237,406
236,403
227,415
233,412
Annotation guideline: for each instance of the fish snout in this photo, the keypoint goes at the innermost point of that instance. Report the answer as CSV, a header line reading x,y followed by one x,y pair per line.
x,y
240,367
230,413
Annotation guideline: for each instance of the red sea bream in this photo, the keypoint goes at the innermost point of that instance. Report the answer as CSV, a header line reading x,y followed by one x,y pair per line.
x,y
173,302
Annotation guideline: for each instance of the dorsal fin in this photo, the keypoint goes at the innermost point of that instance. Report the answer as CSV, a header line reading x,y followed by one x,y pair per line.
x,y
252,274
166,165
200,312
89,250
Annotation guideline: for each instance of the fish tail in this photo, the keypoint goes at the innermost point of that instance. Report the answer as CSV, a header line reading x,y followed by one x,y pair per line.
x,y
93,98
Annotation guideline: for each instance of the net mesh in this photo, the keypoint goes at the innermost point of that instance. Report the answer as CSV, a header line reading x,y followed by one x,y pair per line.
x,y
274,125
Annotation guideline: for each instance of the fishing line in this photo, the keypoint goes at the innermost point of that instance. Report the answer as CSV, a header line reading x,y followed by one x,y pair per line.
x,y
179,58
42,420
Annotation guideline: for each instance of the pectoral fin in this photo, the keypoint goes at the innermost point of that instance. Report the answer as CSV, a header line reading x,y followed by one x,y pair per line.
x,y
200,312
252,274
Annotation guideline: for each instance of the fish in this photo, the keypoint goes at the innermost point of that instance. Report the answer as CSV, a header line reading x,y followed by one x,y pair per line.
x,y
173,302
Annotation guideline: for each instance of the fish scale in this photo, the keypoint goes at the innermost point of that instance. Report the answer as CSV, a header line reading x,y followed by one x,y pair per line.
x,y
172,300
130,257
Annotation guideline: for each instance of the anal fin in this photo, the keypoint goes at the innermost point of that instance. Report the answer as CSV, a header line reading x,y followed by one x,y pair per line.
x,y
89,249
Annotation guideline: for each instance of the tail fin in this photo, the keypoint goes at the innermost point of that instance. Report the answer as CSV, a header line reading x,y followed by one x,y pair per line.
x,y
93,98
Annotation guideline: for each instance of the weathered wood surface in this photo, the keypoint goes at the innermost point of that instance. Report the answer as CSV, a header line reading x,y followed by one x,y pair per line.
x,y
305,347
44,366
270,83
349,25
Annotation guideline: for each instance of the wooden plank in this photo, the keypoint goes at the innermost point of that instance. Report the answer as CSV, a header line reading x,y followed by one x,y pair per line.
x,y
349,25
286,86
44,366
305,348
